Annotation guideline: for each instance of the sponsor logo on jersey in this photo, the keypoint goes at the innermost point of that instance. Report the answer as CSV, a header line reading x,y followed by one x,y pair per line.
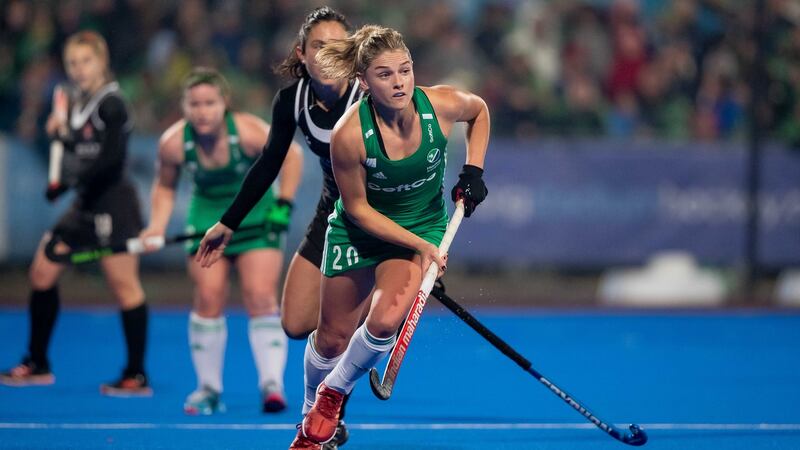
x,y
427,116
380,176
369,133
371,162
430,133
87,150
402,187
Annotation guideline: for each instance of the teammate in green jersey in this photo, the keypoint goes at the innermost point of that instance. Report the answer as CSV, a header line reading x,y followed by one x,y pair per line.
x,y
217,147
388,154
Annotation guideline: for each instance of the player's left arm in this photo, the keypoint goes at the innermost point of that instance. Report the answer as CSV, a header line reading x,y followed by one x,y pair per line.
x,y
454,105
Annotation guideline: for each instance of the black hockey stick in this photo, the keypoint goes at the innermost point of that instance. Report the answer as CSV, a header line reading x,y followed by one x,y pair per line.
x,y
133,246
382,388
635,437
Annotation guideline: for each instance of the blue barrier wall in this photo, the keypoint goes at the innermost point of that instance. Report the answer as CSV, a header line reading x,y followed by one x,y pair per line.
x,y
555,203
592,204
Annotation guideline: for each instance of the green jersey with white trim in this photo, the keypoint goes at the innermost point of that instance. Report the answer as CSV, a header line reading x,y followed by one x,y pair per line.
x,y
408,191
214,189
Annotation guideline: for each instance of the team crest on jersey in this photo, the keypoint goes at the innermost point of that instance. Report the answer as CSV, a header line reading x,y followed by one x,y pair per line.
x,y
433,155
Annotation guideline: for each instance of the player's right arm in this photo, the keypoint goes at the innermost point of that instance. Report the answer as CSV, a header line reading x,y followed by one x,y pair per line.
x,y
266,168
162,195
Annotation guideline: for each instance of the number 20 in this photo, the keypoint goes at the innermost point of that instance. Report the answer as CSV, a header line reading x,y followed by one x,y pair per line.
x,y
351,254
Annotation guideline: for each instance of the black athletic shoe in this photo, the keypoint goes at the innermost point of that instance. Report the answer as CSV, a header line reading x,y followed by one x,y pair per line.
x,y
342,434
129,385
28,373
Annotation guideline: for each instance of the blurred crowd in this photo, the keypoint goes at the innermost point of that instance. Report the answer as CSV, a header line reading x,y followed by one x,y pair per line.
x,y
643,69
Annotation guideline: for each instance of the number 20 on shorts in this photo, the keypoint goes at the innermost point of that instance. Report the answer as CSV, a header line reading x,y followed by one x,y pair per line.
x,y
350,256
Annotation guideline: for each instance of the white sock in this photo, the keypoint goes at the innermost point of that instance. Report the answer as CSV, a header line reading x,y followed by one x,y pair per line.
x,y
315,368
363,352
207,339
268,342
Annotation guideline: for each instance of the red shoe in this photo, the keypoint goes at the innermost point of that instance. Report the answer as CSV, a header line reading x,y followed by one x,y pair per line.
x,y
27,373
321,422
301,442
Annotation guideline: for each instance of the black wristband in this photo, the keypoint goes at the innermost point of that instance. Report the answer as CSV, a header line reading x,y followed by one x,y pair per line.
x,y
473,171
285,202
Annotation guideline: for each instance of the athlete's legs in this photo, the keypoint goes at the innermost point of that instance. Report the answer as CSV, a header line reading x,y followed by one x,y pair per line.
x,y
43,311
259,272
341,311
44,305
397,282
210,287
43,273
208,332
122,274
343,298
300,302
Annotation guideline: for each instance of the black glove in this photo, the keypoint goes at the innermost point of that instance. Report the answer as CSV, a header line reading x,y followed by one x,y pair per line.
x,y
470,187
279,215
53,192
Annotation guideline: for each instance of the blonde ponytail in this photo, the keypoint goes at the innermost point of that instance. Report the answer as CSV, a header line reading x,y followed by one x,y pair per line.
x,y
346,58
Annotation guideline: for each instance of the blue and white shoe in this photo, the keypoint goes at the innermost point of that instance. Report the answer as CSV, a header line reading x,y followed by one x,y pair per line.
x,y
203,402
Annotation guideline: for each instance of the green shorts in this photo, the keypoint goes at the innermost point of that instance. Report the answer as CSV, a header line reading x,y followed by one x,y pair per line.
x,y
348,247
243,241
204,213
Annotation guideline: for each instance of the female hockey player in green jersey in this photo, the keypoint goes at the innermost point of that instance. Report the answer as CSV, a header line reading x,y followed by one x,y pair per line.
x,y
217,147
388,153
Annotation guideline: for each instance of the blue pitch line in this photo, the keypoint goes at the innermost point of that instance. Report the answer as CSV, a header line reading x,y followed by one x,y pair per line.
x,y
400,426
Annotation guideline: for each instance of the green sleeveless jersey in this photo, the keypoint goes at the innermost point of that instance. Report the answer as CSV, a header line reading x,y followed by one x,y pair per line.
x,y
213,190
408,191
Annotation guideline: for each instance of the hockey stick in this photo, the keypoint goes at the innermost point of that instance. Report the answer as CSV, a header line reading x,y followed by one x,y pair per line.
x,y
133,246
382,388
56,146
635,437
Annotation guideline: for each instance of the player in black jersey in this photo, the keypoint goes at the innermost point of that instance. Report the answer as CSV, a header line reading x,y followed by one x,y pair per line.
x,y
106,210
312,103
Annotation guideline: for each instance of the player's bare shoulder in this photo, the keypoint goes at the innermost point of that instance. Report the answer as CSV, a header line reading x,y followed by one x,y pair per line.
x,y
170,144
253,131
446,100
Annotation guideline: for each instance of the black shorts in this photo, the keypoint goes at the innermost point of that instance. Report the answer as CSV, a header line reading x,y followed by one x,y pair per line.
x,y
113,217
314,241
